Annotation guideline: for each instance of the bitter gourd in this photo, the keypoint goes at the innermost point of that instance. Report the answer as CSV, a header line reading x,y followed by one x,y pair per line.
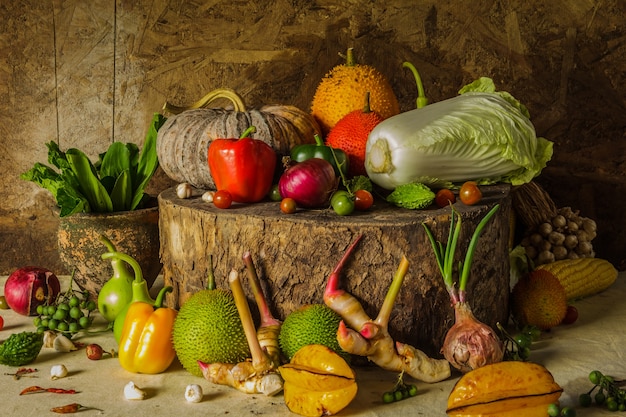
x,y
21,348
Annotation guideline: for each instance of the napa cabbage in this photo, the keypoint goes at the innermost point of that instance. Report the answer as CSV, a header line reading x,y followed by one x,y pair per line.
x,y
481,135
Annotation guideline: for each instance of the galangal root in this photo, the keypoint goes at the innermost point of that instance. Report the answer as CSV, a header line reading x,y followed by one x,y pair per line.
x,y
259,374
359,335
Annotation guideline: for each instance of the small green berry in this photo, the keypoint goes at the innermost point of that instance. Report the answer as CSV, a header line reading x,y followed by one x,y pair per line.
x,y
553,410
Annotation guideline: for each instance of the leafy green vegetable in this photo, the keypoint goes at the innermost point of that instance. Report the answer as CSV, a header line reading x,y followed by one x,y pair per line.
x,y
116,182
412,196
481,135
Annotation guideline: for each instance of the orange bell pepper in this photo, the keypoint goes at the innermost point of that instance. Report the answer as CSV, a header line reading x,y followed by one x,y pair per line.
x,y
146,341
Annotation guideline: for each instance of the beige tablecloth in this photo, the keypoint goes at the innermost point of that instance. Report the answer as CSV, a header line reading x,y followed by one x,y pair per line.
x,y
596,341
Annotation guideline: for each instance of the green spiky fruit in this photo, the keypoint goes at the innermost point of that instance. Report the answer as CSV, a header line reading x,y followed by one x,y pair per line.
x,y
310,324
208,328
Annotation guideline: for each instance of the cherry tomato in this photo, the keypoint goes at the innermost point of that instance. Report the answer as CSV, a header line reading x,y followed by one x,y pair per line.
x,y
444,198
343,203
275,193
571,315
288,205
222,199
337,194
1,323
363,200
470,193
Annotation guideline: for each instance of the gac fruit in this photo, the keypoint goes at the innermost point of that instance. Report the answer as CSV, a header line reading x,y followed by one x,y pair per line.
x,y
538,299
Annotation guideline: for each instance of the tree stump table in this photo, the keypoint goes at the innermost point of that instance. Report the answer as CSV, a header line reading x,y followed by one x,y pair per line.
x,y
294,255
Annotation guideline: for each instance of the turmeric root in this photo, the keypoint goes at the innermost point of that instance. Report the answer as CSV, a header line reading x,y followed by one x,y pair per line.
x,y
370,338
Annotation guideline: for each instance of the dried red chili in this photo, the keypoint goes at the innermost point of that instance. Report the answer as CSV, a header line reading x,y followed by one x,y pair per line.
x,y
22,372
68,409
35,389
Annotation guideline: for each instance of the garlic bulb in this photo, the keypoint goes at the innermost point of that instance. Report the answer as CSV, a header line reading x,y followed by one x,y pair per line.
x,y
133,392
193,393
58,371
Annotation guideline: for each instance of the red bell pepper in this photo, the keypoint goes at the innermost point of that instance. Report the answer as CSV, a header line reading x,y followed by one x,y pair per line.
x,y
244,167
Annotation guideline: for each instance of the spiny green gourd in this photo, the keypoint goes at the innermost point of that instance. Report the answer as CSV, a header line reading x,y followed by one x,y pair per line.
x,y
208,328
21,348
310,324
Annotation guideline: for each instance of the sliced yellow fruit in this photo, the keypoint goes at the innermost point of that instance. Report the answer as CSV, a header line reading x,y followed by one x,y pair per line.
x,y
505,388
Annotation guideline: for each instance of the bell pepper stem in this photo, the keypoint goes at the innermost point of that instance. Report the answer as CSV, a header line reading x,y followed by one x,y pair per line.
x,y
247,132
318,140
158,303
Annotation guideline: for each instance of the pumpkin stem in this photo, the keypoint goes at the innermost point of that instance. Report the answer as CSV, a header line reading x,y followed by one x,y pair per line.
x,y
210,97
247,132
421,97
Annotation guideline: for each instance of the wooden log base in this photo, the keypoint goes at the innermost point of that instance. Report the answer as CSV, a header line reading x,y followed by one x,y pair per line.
x,y
294,255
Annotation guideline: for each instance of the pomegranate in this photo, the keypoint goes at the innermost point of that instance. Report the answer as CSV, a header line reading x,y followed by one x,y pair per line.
x,y
29,287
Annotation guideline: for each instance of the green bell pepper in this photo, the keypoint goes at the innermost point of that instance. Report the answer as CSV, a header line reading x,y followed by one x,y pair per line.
x,y
337,158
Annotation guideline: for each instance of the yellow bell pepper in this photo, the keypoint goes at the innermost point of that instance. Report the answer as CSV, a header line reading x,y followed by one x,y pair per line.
x,y
146,341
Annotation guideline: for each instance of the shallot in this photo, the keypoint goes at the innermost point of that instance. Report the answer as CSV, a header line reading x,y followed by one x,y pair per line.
x,y
28,287
310,183
469,343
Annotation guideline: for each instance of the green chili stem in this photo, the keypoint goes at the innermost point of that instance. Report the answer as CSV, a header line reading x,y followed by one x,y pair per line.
x,y
318,140
422,101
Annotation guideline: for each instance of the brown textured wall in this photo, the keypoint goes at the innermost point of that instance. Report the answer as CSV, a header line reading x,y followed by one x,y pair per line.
x,y
87,73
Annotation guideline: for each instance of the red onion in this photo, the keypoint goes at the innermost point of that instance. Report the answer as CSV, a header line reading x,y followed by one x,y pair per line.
x,y
470,344
29,287
310,183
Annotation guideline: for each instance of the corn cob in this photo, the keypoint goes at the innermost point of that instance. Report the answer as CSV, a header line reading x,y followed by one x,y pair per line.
x,y
582,277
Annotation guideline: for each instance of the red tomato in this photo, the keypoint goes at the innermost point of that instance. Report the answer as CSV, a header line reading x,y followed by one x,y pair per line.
x,y
470,193
444,198
363,200
571,315
288,205
1,323
222,199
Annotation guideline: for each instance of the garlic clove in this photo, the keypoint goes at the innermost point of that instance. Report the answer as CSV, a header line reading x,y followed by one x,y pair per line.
x,y
207,197
133,392
58,371
63,344
193,393
48,338
184,190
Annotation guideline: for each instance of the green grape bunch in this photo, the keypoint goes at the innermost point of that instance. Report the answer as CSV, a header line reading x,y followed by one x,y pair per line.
x,y
69,314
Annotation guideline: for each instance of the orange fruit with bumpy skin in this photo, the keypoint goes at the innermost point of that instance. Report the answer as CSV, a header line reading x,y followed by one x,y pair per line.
x,y
539,299
343,88
350,135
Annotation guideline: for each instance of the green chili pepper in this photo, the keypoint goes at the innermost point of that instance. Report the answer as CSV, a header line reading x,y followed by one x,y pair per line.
x,y
337,158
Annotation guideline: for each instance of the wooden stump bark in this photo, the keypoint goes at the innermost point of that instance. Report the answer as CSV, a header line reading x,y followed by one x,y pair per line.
x,y
294,255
